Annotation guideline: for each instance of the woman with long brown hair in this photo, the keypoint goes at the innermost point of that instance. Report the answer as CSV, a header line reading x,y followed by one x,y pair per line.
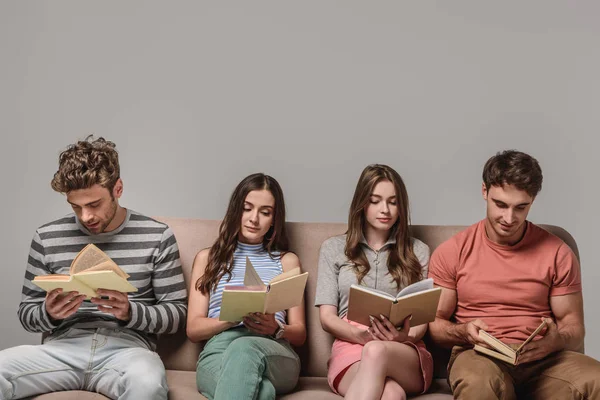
x,y
251,359
380,361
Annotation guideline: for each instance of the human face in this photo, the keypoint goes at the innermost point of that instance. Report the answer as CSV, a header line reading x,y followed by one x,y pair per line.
x,y
507,209
257,216
381,211
95,208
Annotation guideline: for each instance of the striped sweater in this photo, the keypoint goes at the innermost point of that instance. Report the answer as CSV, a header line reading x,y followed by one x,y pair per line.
x,y
266,267
144,248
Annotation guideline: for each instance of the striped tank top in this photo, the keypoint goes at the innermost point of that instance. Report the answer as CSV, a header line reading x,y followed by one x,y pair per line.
x,y
266,267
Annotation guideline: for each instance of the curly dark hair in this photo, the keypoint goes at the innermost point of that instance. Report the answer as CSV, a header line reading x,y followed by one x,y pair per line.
x,y
85,164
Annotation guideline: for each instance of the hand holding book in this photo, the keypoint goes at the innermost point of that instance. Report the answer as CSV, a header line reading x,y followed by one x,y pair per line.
x,y
537,349
382,329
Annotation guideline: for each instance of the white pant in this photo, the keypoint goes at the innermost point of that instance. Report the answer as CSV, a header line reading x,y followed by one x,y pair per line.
x,y
109,361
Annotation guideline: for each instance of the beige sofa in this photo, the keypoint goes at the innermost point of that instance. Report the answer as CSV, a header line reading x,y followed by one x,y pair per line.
x,y
180,355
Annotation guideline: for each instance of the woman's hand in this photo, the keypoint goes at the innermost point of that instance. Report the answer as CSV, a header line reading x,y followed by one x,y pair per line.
x,y
260,323
384,330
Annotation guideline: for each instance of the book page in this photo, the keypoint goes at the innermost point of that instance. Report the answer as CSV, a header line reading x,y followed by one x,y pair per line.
x,y
285,275
425,284
107,266
286,293
105,280
64,282
251,277
88,257
496,344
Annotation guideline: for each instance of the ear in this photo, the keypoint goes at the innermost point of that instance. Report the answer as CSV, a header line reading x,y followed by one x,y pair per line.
x,y
118,189
484,191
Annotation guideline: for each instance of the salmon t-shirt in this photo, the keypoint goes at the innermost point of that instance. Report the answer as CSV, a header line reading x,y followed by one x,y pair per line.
x,y
507,287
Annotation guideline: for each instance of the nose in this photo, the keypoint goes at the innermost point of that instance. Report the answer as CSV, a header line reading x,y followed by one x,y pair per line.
x,y
86,215
509,217
385,208
254,217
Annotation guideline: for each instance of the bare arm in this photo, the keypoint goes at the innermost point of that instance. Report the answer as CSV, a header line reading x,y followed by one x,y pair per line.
x,y
568,311
295,331
199,326
447,333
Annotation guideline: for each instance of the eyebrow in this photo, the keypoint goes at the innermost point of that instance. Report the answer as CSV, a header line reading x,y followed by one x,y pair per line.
x,y
88,204
518,205
249,203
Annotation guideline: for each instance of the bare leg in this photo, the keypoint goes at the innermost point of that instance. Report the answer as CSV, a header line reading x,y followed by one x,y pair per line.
x,y
381,360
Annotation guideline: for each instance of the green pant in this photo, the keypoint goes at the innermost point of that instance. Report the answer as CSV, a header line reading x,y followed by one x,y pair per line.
x,y
238,364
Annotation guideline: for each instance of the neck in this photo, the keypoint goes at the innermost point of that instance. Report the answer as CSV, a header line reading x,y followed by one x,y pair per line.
x,y
117,220
375,238
505,241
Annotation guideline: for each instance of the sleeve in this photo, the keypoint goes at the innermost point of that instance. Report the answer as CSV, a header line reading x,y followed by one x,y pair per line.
x,y
422,253
32,309
327,276
567,275
443,265
168,314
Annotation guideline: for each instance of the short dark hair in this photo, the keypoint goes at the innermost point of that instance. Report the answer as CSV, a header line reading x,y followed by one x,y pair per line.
x,y
512,167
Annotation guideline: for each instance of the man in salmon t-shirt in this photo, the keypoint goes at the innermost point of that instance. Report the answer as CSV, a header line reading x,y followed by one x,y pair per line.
x,y
505,275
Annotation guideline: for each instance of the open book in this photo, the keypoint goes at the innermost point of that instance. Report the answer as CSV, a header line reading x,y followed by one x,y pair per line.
x,y
284,291
91,269
502,351
419,300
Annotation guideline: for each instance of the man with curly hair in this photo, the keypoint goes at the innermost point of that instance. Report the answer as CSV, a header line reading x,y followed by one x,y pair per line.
x,y
107,344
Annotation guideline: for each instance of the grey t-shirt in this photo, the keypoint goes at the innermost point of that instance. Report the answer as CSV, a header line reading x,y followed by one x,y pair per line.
x,y
336,273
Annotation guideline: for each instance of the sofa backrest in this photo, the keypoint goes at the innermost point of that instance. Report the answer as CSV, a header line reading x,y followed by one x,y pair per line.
x,y
306,238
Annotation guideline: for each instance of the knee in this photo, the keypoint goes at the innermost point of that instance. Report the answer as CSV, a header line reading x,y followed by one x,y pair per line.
x,y
243,347
374,352
393,391
147,375
483,386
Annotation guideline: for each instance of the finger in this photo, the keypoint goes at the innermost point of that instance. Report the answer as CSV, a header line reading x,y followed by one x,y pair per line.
x,y
264,317
62,302
111,294
406,325
52,295
106,302
378,330
250,323
70,308
386,322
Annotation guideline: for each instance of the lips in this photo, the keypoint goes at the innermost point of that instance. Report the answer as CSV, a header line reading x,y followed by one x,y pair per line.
x,y
384,220
251,229
93,226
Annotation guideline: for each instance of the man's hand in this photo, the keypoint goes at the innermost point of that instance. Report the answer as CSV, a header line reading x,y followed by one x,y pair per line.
x,y
117,304
384,330
538,349
260,323
471,332
60,307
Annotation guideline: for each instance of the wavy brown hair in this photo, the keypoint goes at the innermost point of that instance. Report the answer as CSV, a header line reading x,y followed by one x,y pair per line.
x,y
403,264
220,255
85,164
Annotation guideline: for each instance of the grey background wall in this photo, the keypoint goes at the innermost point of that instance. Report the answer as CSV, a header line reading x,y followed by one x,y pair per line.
x,y
199,94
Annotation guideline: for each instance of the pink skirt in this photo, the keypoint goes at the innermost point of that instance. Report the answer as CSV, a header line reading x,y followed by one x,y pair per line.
x,y
344,354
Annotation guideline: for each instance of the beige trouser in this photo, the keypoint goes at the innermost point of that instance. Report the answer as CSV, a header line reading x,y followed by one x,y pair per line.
x,y
564,375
